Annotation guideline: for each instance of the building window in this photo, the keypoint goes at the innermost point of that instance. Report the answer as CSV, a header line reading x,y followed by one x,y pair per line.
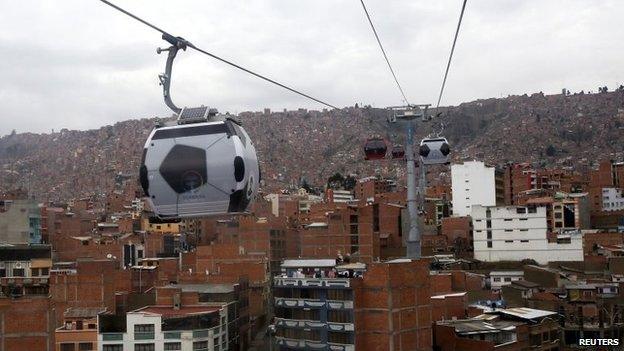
x,y
116,347
509,230
507,219
144,347
497,279
520,210
2,272
68,347
85,346
171,346
489,244
524,230
524,241
143,328
200,345
143,331
18,272
507,279
509,241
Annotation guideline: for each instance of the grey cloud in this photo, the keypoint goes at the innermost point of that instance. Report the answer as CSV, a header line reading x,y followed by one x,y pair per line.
x,y
79,64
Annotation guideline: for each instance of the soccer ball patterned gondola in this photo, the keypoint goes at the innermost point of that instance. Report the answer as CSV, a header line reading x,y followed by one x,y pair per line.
x,y
434,151
199,169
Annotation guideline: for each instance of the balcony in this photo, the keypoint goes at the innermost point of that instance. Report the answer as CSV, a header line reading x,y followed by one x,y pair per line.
x,y
300,344
341,347
299,323
173,335
198,334
286,282
340,327
314,324
312,303
24,281
112,336
144,336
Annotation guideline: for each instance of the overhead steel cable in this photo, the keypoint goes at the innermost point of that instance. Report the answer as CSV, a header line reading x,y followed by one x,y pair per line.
x,y
448,64
384,52
217,57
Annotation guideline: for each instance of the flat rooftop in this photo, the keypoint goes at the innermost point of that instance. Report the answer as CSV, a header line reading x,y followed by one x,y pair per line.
x,y
526,313
203,288
183,311
480,326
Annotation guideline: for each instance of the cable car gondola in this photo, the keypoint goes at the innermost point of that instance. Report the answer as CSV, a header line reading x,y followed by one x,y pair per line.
x,y
434,151
398,152
375,149
205,165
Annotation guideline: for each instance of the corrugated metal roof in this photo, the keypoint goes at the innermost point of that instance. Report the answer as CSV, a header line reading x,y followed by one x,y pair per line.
x,y
443,296
316,225
354,265
83,312
311,263
526,313
506,273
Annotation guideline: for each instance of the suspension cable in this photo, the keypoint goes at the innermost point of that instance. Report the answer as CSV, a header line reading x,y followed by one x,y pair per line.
x,y
219,58
384,52
448,65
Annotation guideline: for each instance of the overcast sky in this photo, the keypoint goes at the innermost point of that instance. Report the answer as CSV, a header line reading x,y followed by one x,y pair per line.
x,y
79,64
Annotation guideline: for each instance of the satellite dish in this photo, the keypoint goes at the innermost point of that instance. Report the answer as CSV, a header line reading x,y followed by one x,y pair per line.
x,y
109,256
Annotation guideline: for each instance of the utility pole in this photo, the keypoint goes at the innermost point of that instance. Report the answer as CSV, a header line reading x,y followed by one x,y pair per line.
x,y
415,193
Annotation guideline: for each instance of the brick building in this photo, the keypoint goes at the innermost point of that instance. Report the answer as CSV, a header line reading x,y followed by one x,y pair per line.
x,y
348,307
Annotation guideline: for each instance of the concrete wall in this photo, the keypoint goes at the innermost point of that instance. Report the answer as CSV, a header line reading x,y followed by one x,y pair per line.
x,y
473,183
517,236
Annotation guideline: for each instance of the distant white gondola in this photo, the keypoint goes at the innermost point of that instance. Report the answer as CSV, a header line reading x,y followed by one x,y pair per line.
x,y
434,151
199,169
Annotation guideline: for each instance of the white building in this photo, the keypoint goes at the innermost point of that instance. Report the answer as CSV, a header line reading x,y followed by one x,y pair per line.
x,y
473,183
498,279
160,328
612,199
342,196
515,233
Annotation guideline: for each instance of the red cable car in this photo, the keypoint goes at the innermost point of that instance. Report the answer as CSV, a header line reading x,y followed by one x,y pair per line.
x,y
398,152
375,149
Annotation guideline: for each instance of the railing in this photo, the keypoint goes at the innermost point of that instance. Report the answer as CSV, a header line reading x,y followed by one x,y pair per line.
x,y
314,324
341,347
313,303
144,336
112,336
200,334
302,344
312,282
42,280
173,335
